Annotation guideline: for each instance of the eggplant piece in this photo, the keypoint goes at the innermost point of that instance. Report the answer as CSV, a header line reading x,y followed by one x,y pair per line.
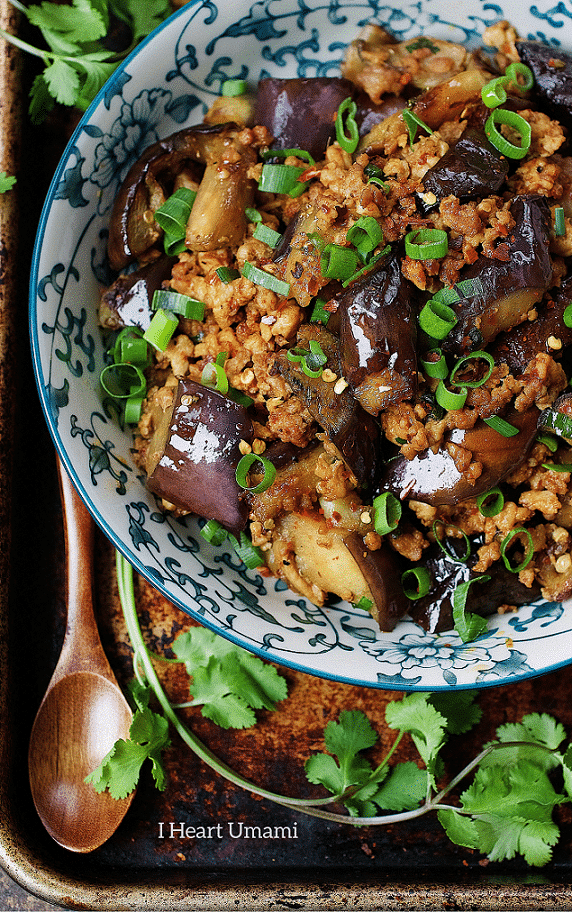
x,y
347,425
472,168
519,347
128,301
509,287
378,336
552,71
301,113
217,218
447,100
195,468
434,612
382,570
558,418
434,478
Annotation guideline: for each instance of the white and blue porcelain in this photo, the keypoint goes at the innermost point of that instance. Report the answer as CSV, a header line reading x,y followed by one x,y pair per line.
x,y
168,83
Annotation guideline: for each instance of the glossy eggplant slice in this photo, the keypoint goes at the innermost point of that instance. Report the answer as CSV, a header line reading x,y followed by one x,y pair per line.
x,y
378,336
382,570
472,168
194,469
508,288
348,426
217,218
552,71
434,478
301,113
128,301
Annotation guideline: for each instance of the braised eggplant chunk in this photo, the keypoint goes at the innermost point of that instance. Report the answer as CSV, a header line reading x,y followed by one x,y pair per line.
x,y
128,301
507,287
194,468
378,335
552,71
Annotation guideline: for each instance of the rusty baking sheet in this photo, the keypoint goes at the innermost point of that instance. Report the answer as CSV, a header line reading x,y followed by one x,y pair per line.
x,y
243,852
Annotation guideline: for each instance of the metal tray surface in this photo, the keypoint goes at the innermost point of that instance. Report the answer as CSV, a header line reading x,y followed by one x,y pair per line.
x,y
199,844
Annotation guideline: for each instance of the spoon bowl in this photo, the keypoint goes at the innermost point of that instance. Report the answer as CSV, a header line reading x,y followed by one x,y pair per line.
x,y
83,711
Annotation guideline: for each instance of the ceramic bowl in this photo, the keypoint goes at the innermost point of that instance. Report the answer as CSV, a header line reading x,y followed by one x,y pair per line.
x,y
169,82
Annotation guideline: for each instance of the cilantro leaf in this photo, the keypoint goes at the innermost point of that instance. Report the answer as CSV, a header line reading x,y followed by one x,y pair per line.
x,y
141,17
120,769
404,789
227,681
416,715
66,28
62,81
346,738
458,709
567,770
6,182
534,729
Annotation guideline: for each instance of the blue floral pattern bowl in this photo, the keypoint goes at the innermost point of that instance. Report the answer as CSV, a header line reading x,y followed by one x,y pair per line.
x,y
167,83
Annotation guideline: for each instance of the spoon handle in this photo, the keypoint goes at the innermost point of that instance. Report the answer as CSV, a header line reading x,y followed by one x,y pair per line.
x,y
82,648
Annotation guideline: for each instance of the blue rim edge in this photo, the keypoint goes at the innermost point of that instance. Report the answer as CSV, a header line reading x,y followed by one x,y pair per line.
x,y
108,531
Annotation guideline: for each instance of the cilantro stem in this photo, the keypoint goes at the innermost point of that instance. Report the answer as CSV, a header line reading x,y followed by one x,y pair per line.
x,y
19,6
29,48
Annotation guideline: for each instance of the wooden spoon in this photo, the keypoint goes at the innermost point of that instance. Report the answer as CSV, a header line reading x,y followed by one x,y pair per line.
x,y
83,711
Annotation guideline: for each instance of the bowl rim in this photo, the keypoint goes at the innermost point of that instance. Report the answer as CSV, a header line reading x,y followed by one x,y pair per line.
x,y
61,450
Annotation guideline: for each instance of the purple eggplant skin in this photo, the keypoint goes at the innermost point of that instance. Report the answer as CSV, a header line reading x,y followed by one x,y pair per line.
x,y
301,113
433,478
382,570
552,71
434,612
378,336
128,301
196,470
511,286
471,169
352,430
220,206
520,346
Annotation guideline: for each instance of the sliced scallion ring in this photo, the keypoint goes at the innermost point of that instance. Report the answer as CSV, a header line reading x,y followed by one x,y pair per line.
x,y
491,502
474,356
448,550
365,235
173,216
452,401
364,604
253,215
347,131
265,279
558,422
557,466
122,351
516,69
319,313
282,179
434,364
501,116
181,304
213,532
245,465
248,553
437,319
161,329
416,582
267,235
386,513
227,274
501,426
233,87
529,549
213,375
414,123
549,442
493,93
368,266
286,153
121,381
426,244
338,262
133,409
559,222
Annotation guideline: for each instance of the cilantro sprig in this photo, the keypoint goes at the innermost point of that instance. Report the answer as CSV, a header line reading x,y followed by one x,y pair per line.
x,y
77,60
507,809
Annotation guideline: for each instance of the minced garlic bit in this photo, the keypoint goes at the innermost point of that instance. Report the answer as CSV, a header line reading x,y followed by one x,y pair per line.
x,y
258,446
554,343
244,447
328,375
563,563
341,385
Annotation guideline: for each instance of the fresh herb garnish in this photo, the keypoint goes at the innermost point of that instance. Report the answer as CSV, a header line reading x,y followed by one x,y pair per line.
x,y
76,59
6,182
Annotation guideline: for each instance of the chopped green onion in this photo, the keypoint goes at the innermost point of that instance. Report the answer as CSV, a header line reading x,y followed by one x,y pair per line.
x,y
286,153
476,355
469,288
226,274
567,316
437,319
161,329
338,262
422,42
491,502
416,582
413,123
347,131
133,409
514,70
365,235
375,176
559,222
557,466
267,235
181,304
386,513
311,361
265,279
518,123
449,551
243,468
221,358
558,422
364,604
319,313
173,216
239,397
121,381
549,442
133,350
233,87
450,400
368,266
282,179
247,552
129,333
435,364
213,375
253,215
213,532
426,244
528,552
468,625
493,93
501,426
